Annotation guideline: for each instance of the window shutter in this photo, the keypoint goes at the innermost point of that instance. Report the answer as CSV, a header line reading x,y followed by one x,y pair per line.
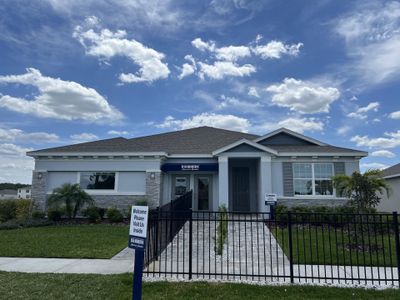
x,y
287,179
339,168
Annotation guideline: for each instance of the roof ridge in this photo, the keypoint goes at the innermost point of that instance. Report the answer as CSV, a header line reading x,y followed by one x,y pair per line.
x,y
189,129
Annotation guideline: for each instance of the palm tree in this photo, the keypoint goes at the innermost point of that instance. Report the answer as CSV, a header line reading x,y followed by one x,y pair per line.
x,y
72,196
363,190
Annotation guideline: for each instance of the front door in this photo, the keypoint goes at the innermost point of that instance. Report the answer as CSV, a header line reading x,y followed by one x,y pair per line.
x,y
203,192
241,188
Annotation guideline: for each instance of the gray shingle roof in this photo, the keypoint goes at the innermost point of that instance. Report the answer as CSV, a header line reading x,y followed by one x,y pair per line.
x,y
392,171
200,140
312,149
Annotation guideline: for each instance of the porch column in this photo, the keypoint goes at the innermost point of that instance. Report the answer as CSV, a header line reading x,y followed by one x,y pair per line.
x,y
265,182
223,181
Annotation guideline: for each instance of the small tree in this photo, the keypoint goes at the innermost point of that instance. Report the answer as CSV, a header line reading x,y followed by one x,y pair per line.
x,y
363,190
72,196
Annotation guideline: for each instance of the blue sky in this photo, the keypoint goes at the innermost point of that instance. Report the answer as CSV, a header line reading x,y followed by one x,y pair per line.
x,y
73,71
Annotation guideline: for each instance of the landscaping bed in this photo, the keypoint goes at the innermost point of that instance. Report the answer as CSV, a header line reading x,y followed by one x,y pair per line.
x,y
65,241
72,286
320,245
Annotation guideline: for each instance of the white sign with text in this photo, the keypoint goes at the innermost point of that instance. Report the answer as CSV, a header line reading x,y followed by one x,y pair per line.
x,y
139,216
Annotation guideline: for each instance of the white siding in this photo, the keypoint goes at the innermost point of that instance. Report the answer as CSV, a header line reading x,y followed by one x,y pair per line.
x,y
57,179
132,182
393,202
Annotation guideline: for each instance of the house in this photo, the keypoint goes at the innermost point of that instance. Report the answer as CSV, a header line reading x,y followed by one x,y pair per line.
x,y
392,177
24,192
222,167
8,194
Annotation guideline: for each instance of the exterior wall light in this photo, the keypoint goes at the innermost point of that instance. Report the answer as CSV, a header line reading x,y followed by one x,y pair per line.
x,y
152,175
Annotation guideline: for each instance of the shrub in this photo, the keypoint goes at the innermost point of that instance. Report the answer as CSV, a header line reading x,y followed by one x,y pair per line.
x,y
222,230
38,214
7,210
14,224
94,214
54,215
72,197
23,209
114,215
141,202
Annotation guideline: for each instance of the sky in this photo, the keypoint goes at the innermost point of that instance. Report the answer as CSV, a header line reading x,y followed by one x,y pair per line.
x,y
75,71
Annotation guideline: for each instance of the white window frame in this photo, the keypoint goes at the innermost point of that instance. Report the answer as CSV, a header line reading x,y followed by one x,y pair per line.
x,y
314,195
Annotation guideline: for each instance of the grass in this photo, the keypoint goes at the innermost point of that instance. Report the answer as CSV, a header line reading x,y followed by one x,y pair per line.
x,y
66,241
72,286
317,245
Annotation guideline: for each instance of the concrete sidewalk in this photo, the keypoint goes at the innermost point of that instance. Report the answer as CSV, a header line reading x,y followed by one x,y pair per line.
x,y
120,263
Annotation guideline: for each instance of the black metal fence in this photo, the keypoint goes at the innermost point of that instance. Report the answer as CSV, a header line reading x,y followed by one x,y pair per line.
x,y
164,223
294,247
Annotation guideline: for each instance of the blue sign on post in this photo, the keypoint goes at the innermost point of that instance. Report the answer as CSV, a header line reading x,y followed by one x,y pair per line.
x,y
137,241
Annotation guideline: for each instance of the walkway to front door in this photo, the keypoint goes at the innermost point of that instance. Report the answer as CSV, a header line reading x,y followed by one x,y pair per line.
x,y
250,250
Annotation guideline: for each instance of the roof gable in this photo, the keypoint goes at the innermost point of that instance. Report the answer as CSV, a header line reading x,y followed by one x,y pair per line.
x,y
244,146
284,136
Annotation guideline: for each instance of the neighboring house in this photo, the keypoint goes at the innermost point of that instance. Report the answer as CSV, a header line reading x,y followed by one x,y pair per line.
x,y
392,177
24,193
8,194
222,167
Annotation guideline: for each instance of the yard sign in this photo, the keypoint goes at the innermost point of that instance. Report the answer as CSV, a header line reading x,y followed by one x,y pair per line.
x,y
137,241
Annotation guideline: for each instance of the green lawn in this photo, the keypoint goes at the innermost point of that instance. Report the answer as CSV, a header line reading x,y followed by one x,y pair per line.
x,y
71,286
314,245
72,241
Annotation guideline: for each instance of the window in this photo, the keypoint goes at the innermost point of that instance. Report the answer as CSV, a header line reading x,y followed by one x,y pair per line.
x,y
313,179
181,184
97,181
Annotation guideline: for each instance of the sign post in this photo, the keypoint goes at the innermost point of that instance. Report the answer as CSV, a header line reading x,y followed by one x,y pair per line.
x,y
137,241
271,200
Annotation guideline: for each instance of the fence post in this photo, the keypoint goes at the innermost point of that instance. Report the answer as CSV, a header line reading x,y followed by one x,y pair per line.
x,y
396,232
290,246
190,242
156,221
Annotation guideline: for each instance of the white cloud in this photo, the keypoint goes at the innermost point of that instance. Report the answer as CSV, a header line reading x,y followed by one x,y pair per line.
x,y
188,68
59,99
395,115
373,165
83,137
239,105
253,92
371,31
343,130
156,15
198,43
107,44
230,122
16,168
300,125
383,153
12,135
275,50
13,150
390,140
222,69
361,113
226,58
303,97
117,132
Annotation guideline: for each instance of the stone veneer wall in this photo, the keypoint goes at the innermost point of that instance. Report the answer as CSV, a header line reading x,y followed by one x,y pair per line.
x,y
122,202
39,189
312,202
153,189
